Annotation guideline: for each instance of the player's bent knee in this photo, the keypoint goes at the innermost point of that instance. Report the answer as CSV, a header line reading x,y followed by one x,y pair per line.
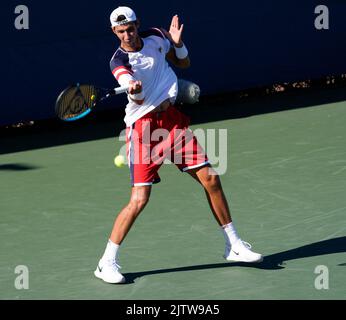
x,y
137,205
212,183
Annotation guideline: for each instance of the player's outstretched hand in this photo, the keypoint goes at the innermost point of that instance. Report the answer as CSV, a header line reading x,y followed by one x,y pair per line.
x,y
175,32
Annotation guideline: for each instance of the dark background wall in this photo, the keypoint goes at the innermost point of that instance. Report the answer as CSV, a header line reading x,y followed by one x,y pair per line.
x,y
233,45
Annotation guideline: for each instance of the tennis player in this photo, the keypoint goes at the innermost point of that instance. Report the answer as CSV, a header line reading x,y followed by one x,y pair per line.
x,y
141,62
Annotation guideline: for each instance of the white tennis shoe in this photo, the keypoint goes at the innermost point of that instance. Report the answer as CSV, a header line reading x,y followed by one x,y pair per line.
x,y
108,271
240,251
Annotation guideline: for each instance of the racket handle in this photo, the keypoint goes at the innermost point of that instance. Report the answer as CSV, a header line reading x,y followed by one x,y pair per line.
x,y
115,91
120,90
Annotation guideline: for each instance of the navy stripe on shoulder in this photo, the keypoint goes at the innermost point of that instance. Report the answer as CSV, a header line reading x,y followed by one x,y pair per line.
x,y
120,58
152,32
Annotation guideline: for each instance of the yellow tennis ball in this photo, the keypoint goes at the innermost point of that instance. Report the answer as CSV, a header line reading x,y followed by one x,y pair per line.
x,y
119,161
93,97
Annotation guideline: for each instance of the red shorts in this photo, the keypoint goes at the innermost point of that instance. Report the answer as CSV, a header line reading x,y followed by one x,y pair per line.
x,y
158,136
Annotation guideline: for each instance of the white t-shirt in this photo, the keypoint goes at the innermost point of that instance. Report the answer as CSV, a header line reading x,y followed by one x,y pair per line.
x,y
150,66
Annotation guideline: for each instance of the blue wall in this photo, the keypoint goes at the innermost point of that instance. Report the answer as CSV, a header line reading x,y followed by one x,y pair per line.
x,y
233,45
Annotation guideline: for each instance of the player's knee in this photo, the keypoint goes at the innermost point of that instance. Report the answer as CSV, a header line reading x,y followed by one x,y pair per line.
x,y
212,183
138,203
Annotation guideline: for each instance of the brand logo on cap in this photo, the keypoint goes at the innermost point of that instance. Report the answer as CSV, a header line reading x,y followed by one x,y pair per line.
x,y
121,19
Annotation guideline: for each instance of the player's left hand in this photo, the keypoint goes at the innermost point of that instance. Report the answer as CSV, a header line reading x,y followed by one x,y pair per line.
x,y
175,32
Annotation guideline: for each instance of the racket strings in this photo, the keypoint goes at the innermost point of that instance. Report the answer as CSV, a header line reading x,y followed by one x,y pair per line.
x,y
75,101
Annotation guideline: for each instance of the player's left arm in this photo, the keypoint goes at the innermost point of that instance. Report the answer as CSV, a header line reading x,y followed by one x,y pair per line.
x,y
178,54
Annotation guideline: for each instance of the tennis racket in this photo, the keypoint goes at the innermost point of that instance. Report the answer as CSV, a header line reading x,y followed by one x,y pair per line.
x,y
77,101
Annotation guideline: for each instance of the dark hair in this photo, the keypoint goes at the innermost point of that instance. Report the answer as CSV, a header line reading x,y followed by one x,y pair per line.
x,y
121,18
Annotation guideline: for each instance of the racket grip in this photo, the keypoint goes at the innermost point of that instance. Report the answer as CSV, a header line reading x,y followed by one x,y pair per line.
x,y
114,91
120,90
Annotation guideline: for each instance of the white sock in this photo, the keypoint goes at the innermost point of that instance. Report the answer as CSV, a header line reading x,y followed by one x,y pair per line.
x,y
111,252
230,234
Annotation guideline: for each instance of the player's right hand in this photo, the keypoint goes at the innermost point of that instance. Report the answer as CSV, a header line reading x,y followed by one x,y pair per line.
x,y
135,87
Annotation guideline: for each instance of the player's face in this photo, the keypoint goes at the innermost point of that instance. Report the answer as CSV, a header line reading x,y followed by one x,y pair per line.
x,y
127,34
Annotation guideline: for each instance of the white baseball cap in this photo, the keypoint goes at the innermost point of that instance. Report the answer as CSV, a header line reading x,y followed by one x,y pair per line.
x,y
127,12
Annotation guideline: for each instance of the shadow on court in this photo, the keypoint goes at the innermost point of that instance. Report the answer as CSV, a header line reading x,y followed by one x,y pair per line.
x,y
272,262
105,124
17,167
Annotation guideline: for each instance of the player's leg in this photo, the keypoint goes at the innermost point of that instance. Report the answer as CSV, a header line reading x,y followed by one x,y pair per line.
x,y
127,216
190,157
214,193
236,249
108,267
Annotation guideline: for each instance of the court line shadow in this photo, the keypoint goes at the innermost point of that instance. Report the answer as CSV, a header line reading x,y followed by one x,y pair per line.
x,y
271,262
17,167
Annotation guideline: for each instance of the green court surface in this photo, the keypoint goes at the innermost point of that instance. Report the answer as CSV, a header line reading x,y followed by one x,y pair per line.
x,y
285,182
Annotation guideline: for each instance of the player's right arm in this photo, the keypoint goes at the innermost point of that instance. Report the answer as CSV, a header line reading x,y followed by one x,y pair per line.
x,y
123,73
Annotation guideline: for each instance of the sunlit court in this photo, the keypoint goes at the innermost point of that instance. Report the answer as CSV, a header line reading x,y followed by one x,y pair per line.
x,y
285,181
